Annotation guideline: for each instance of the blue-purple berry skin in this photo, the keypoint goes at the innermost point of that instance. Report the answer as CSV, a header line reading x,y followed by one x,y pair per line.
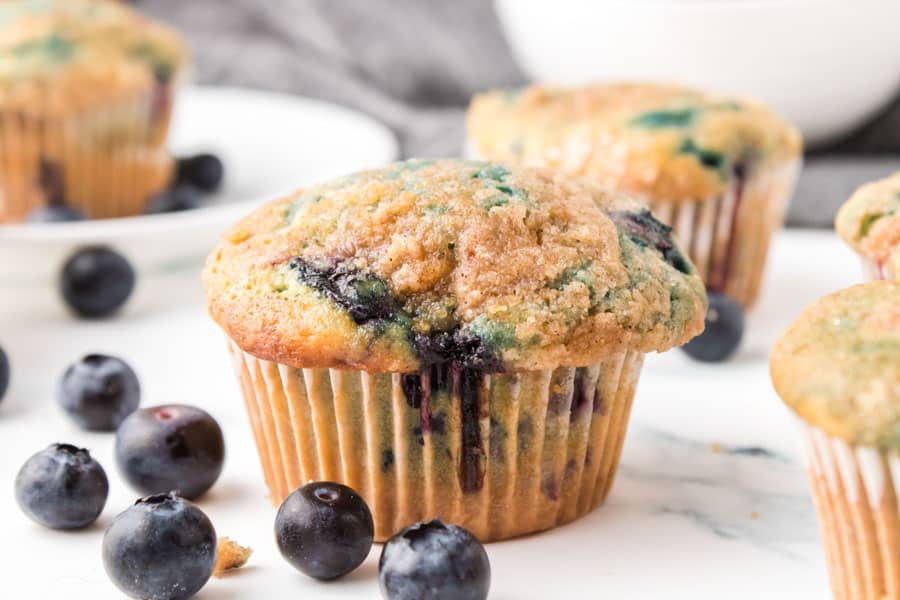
x,y
62,487
4,373
434,561
324,530
170,447
56,213
177,199
96,281
99,392
202,171
161,548
723,333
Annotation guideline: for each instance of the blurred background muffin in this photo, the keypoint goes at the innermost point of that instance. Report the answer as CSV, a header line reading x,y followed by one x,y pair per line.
x,y
387,338
838,368
870,224
86,91
719,170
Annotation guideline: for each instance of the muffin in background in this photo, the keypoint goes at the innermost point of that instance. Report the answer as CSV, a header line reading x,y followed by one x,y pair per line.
x,y
870,224
838,368
86,90
450,338
720,171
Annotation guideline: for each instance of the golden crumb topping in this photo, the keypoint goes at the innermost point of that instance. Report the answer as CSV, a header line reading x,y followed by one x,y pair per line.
x,y
657,141
838,365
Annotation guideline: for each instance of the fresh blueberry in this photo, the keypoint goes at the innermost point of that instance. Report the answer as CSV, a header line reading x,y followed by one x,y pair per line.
x,y
171,447
324,529
99,391
62,487
723,333
96,281
55,213
177,199
433,561
161,548
203,171
4,373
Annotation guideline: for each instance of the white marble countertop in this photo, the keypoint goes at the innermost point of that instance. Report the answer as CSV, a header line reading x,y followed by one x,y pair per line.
x,y
711,499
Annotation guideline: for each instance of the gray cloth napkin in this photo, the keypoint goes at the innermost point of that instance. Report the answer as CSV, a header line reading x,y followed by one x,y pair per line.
x,y
414,64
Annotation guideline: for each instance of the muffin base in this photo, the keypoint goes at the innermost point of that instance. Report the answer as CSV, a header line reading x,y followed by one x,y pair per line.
x,y
855,490
106,162
728,237
516,454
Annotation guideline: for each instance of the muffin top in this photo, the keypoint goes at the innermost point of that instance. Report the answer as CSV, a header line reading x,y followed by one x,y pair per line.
x,y
64,53
838,365
870,220
490,267
658,141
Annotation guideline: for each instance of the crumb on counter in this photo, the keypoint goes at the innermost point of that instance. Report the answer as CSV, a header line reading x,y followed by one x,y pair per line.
x,y
231,556
716,447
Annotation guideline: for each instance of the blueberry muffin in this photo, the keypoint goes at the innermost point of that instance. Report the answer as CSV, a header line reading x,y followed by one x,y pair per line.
x,y
838,368
451,339
720,171
870,224
85,97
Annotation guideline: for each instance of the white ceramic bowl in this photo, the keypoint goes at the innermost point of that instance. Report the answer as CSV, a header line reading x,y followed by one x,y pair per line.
x,y
827,65
270,144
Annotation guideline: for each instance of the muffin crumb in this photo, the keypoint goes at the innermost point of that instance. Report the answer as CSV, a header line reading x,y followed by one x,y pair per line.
x,y
231,556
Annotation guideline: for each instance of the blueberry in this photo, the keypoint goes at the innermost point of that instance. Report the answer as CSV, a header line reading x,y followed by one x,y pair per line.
x,y
96,281
55,213
433,561
203,171
171,447
62,487
723,333
177,199
161,548
4,373
99,391
324,529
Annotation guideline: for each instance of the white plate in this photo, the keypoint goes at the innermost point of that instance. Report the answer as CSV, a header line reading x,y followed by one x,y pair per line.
x,y
270,144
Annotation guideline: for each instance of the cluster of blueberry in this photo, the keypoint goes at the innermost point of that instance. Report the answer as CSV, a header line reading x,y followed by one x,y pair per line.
x,y
194,176
162,547
165,548
325,530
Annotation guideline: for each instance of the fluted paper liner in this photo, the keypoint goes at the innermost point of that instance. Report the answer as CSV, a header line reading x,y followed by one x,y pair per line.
x,y
855,490
874,271
728,237
106,161
540,449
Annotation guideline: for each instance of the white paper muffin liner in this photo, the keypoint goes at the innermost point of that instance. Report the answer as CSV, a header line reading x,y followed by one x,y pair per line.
x,y
855,489
541,449
106,162
874,271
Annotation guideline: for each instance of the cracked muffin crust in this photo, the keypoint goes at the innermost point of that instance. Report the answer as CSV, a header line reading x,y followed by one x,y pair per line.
x,y
492,267
659,141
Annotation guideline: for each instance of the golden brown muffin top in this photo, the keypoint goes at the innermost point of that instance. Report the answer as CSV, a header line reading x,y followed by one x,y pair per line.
x,y
838,365
660,142
870,220
489,266
63,54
